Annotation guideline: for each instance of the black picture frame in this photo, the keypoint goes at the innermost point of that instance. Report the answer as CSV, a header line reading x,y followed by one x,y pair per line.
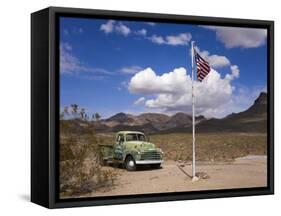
x,y
45,107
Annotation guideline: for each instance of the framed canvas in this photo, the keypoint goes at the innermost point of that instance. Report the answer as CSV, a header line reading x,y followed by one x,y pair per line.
x,y
138,107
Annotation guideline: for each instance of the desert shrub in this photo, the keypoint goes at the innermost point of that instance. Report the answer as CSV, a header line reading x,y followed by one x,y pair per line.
x,y
80,171
211,146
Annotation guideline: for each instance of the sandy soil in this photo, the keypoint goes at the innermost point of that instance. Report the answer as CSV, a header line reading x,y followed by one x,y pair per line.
x,y
245,172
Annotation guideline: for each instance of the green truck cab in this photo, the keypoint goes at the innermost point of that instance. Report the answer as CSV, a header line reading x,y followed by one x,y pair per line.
x,y
132,148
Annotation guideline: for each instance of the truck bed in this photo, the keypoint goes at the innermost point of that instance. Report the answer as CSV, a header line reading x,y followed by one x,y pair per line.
x,y
106,151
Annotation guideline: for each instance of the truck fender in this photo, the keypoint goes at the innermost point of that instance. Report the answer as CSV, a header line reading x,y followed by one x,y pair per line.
x,y
129,154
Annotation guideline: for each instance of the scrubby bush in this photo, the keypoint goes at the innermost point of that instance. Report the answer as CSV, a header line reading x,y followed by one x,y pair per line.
x,y
80,171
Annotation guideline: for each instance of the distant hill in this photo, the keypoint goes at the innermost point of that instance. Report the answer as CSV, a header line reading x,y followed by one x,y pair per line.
x,y
147,122
254,119
119,119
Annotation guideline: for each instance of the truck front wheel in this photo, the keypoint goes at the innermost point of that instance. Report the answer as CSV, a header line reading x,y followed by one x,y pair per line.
x,y
156,166
130,164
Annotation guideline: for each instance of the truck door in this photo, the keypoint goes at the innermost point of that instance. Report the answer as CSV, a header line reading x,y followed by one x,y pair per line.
x,y
118,148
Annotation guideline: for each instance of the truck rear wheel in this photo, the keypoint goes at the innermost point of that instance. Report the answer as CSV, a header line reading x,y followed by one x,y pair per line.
x,y
103,162
130,164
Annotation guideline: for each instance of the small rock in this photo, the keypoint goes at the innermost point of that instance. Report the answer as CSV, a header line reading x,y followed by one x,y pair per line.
x,y
195,179
202,175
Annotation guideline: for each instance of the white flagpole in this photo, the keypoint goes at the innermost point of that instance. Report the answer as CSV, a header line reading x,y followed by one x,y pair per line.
x,y
194,178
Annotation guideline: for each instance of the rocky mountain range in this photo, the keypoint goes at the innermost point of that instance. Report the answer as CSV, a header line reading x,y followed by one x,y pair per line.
x,y
254,119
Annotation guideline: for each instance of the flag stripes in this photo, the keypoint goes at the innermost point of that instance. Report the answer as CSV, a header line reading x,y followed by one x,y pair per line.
x,y
203,67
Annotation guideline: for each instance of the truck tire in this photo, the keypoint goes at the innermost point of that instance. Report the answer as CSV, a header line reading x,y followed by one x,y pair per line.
x,y
156,166
103,162
130,163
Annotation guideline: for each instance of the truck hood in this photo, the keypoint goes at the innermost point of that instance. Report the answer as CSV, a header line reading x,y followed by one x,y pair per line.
x,y
139,145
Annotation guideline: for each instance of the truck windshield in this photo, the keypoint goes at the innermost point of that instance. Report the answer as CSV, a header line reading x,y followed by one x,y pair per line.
x,y
135,137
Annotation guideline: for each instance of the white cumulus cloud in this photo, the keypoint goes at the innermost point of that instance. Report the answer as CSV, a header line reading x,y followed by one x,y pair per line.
x,y
173,40
123,29
157,39
151,23
141,32
112,26
215,61
180,39
218,61
240,37
108,27
172,91
148,82
234,73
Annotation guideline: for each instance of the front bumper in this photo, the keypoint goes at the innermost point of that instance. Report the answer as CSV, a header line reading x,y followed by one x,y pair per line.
x,y
142,162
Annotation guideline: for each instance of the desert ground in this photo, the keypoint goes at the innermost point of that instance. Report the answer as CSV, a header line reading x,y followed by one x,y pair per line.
x,y
245,172
228,160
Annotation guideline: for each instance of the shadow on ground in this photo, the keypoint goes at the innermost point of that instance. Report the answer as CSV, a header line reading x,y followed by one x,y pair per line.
x,y
25,197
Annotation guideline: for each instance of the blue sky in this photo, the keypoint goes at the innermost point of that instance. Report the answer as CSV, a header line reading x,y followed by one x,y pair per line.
x,y
111,66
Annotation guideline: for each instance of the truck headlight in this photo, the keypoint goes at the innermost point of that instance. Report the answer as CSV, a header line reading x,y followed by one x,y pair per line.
x,y
160,150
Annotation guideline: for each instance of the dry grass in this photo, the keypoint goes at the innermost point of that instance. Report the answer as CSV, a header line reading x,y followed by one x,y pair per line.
x,y
209,146
212,146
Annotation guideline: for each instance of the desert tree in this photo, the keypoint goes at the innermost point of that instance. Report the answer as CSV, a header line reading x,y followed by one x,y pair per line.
x,y
61,115
93,117
97,116
74,110
82,113
65,110
86,117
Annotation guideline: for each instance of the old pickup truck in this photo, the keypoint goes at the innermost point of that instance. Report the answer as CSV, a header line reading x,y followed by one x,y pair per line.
x,y
131,148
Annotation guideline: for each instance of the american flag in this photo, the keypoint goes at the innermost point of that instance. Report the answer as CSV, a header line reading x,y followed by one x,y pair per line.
x,y
203,67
